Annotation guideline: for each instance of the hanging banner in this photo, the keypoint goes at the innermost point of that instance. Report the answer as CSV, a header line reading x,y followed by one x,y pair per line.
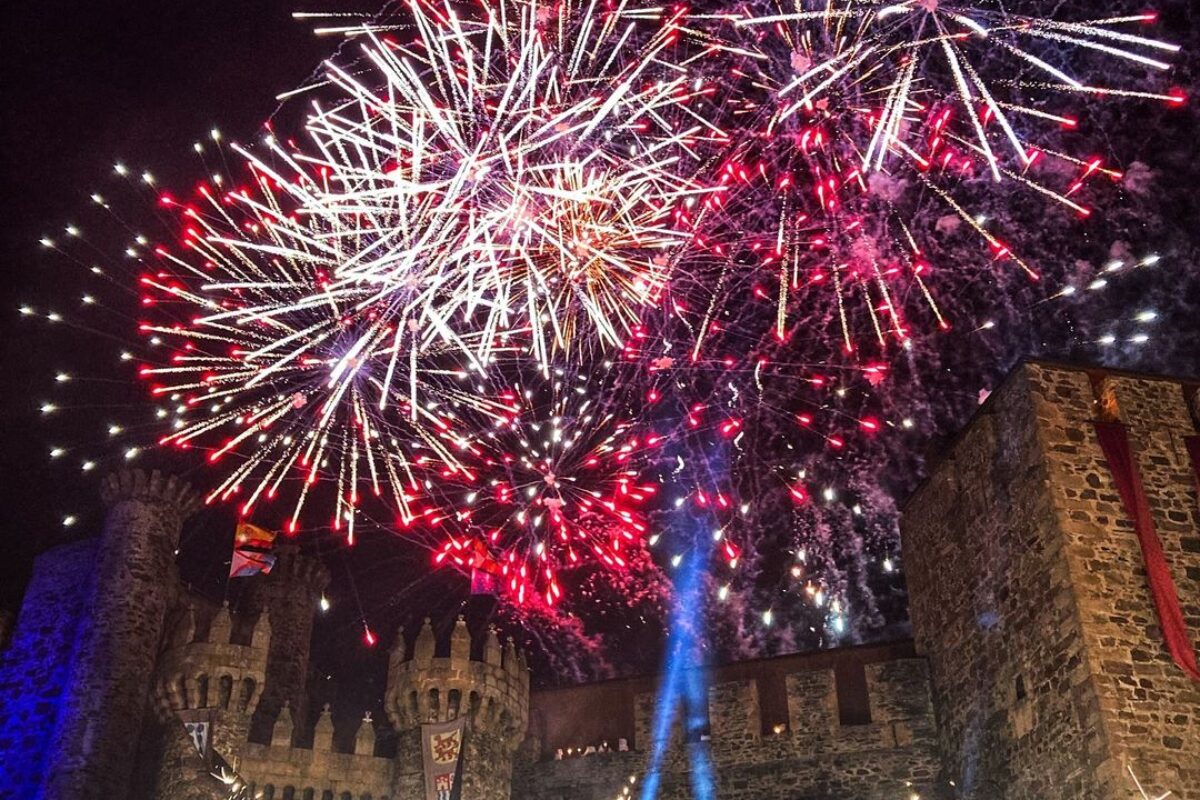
x,y
1115,444
441,745
197,732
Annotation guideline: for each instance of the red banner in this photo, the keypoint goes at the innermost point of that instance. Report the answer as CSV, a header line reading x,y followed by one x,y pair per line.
x,y
1115,444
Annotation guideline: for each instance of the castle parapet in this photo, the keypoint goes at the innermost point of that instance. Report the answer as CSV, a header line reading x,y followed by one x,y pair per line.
x,y
856,722
281,769
212,671
493,693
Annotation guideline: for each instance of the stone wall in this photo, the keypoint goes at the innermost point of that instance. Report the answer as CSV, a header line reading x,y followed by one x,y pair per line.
x,y
1028,593
93,750
35,666
1150,708
492,695
207,678
758,750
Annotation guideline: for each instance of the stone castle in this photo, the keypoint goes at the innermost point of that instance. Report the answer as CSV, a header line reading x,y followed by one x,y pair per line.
x,y
1040,667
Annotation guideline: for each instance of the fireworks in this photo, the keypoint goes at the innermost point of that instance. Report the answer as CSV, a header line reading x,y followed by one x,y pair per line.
x,y
507,179
534,273
560,481
549,148
876,125
927,60
279,366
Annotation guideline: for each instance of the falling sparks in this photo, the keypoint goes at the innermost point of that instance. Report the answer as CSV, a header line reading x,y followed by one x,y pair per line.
x,y
526,268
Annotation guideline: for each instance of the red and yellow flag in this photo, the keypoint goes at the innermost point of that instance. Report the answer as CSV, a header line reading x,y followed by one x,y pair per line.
x,y
251,551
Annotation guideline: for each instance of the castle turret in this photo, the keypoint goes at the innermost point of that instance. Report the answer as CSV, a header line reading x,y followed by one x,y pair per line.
x,y
491,696
207,687
1053,566
100,716
289,594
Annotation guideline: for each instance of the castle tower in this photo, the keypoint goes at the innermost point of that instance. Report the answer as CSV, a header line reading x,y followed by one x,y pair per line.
x,y
492,695
1030,591
206,691
289,594
94,744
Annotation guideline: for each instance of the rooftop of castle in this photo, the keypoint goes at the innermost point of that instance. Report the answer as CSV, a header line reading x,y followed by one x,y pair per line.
x,y
940,450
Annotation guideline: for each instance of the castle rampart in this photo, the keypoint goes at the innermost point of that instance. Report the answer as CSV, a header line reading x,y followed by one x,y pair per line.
x,y
281,770
772,724
1042,600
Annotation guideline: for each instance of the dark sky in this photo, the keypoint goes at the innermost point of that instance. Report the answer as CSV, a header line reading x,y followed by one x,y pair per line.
x,y
85,84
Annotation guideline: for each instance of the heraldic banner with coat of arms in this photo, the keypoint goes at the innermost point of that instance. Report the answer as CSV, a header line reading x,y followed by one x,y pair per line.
x,y
441,743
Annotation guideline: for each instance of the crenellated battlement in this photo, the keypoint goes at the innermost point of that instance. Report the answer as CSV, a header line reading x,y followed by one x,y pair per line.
x,y
153,487
492,693
212,671
271,770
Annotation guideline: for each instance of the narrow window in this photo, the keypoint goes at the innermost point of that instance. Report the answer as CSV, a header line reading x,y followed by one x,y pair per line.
x,y
854,704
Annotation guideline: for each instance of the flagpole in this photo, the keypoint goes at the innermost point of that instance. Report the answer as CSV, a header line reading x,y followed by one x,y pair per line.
x,y
456,788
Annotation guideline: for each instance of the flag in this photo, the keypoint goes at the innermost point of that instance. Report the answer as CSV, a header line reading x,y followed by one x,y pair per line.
x,y
441,746
197,732
483,582
485,570
251,551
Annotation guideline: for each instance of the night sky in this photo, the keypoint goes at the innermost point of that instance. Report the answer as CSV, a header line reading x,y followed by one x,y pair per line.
x,y
87,84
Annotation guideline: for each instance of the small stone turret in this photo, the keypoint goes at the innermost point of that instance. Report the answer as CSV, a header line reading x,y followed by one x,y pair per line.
x,y
101,713
492,694
364,739
323,733
211,684
285,728
213,672
289,594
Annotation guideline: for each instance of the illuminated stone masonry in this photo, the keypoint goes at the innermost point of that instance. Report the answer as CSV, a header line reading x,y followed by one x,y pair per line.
x,y
1040,667
1028,591
856,722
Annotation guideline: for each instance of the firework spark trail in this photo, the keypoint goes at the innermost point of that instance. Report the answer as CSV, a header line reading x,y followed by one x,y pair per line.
x,y
286,365
554,147
489,204
862,110
559,483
